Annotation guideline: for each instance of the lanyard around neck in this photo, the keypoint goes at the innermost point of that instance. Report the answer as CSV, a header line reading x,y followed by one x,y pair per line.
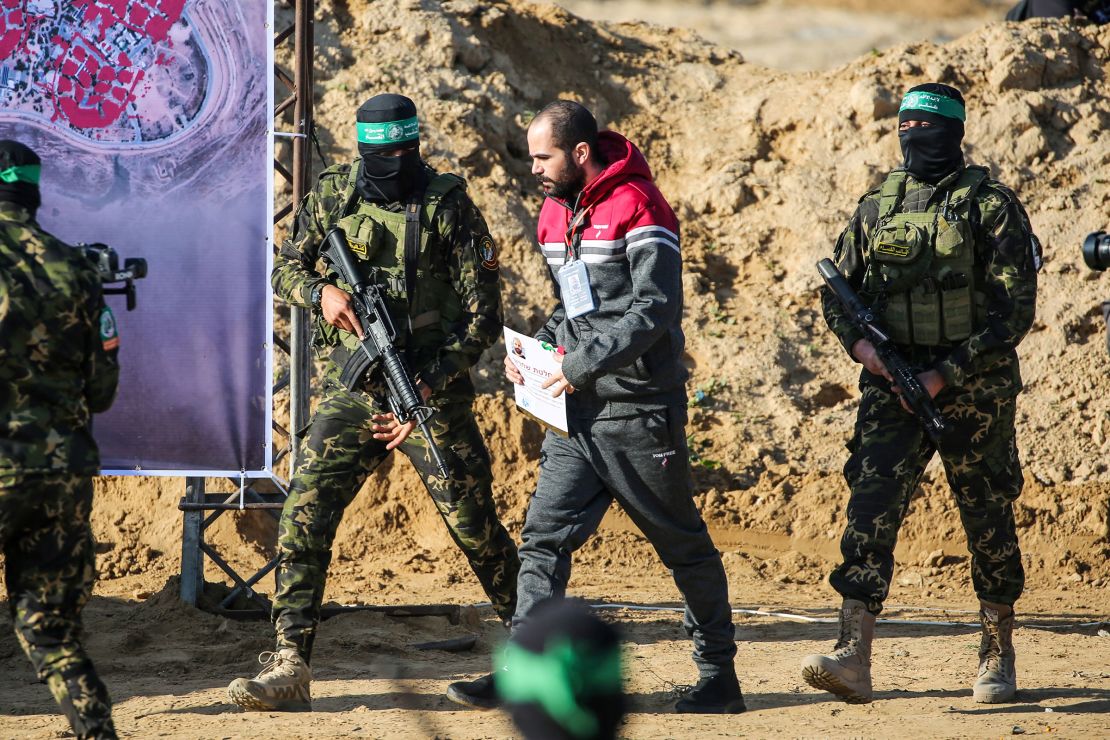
x,y
573,236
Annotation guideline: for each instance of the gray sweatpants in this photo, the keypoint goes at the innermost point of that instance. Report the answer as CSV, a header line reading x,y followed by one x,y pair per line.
x,y
642,462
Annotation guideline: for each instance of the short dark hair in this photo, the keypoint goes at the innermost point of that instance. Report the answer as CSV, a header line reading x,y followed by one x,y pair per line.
x,y
571,124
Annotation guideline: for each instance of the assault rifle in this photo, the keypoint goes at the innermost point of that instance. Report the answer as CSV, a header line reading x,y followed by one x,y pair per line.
x,y
377,348
913,393
106,261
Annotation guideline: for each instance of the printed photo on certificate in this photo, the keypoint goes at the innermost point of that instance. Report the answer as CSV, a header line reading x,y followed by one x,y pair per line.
x,y
537,362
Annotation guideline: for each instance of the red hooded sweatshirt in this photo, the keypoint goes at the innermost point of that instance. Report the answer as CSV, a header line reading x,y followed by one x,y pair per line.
x,y
628,351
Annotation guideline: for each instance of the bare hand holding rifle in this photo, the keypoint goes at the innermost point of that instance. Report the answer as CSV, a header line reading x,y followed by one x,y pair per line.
x,y
374,328
877,353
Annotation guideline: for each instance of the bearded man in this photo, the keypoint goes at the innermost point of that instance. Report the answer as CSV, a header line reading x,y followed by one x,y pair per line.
x,y
611,242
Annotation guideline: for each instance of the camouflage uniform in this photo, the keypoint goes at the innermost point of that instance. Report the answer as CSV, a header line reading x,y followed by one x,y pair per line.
x,y
890,450
456,315
58,366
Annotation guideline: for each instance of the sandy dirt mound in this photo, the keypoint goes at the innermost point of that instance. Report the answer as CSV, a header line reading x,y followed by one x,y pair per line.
x,y
802,34
763,179
763,168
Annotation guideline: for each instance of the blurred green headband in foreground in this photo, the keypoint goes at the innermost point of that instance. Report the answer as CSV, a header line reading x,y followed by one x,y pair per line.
x,y
28,173
558,678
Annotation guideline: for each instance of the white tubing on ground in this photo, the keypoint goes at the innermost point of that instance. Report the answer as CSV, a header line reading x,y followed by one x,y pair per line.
x,y
833,620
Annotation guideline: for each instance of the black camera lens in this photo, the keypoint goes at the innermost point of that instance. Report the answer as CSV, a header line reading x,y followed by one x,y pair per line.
x,y
1096,250
136,265
103,256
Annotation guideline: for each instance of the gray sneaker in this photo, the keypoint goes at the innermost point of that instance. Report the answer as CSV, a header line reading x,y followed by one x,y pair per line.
x,y
281,686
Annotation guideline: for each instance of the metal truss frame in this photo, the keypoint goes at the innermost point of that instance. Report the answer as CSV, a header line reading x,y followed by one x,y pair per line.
x,y
201,508
292,119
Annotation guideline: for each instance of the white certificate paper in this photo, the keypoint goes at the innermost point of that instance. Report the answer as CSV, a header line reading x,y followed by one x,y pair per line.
x,y
536,363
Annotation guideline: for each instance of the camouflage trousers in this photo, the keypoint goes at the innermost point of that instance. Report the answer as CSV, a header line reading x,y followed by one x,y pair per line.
x,y
49,573
338,455
889,453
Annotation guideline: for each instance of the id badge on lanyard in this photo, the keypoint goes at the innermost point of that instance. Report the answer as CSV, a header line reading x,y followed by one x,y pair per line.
x,y
574,278
574,287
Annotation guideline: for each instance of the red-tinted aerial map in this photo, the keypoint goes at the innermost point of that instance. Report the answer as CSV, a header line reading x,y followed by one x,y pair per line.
x,y
152,119
121,71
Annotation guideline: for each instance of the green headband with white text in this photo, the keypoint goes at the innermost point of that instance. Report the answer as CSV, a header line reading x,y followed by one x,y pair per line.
x,y
933,103
388,132
28,173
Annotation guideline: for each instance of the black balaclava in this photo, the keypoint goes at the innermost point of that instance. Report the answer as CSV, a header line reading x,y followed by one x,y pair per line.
x,y
384,123
930,153
19,175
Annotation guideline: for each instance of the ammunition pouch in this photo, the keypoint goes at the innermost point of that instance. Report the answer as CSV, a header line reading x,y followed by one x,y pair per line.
x,y
922,265
353,364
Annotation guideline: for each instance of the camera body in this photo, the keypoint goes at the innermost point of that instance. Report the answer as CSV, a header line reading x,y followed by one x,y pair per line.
x,y
106,261
1096,253
1096,250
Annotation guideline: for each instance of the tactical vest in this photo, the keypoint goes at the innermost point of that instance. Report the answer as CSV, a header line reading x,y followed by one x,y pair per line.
x,y
922,270
420,297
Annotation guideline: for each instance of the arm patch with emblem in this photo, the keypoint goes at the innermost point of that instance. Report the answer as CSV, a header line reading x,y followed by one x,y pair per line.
x,y
109,333
487,252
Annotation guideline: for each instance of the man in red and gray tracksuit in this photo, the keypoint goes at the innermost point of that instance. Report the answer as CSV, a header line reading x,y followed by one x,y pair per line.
x,y
611,241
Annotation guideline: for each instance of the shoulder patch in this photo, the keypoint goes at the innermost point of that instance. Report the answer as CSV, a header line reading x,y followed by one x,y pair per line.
x,y
867,209
993,197
868,194
342,169
994,187
487,252
1004,196
458,180
109,332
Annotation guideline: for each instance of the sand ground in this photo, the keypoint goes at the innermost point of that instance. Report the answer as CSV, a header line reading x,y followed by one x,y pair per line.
x,y
168,666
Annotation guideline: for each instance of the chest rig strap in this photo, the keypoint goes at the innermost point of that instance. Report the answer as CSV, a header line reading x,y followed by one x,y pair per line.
x,y
965,190
412,247
420,214
891,194
923,264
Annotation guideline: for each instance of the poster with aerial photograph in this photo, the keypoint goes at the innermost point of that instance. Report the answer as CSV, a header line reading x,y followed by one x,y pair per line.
x,y
152,119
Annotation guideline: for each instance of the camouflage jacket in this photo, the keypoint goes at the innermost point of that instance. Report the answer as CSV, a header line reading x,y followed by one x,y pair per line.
x,y
58,347
985,363
459,251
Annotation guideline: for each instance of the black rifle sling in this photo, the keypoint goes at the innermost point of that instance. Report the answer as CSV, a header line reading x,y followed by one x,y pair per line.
x,y
412,246
351,361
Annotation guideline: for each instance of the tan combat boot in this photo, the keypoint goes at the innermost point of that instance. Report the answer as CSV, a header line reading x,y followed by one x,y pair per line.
x,y
847,672
281,686
997,674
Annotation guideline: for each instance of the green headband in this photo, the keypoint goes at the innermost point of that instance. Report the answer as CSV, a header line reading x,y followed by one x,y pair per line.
x,y
933,103
388,132
556,678
28,173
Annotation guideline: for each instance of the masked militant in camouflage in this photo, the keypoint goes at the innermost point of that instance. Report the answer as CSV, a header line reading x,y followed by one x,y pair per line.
x,y
57,367
946,258
419,238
